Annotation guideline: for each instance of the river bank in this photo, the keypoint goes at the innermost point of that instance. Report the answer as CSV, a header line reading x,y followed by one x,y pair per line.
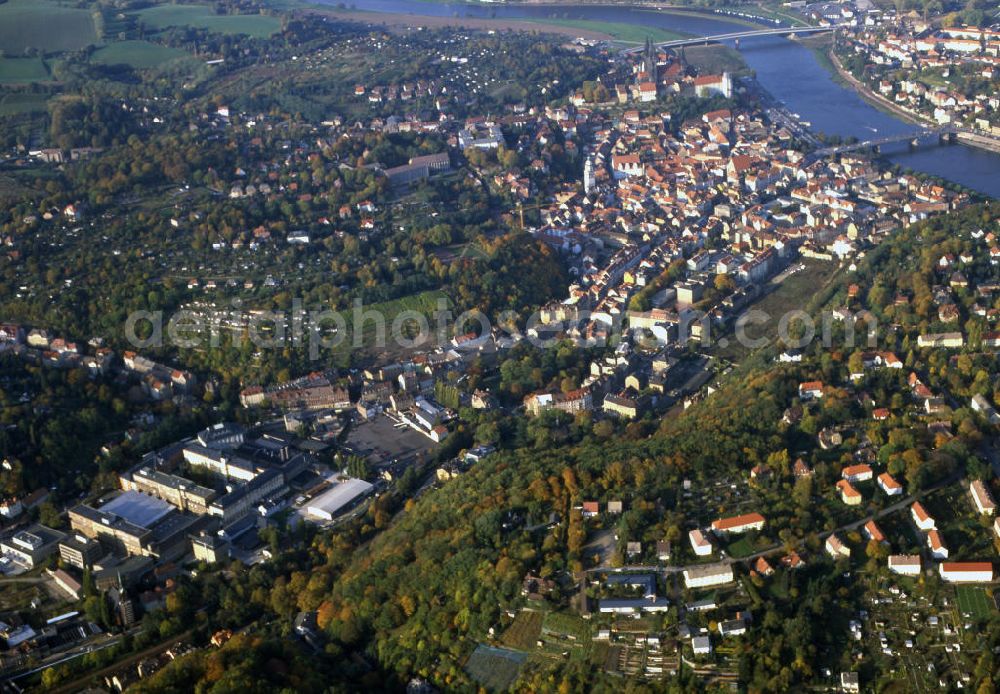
x,y
401,21
990,144
876,100
753,16
795,73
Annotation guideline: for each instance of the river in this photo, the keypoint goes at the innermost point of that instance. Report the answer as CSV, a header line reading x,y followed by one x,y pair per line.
x,y
785,68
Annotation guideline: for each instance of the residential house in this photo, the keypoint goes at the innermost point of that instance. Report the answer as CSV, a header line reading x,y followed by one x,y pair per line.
x,y
810,390
762,567
966,571
701,546
801,469
889,484
982,498
708,575
936,543
848,494
663,550
836,548
738,524
953,340
905,564
871,531
573,401
923,519
857,473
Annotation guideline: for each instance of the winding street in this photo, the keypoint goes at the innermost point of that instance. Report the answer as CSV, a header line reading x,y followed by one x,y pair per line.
x,y
780,548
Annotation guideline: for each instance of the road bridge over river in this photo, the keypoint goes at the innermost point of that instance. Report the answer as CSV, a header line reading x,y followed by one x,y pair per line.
x,y
734,36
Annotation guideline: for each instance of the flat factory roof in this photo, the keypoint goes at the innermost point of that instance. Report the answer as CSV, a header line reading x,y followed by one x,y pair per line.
x,y
338,496
138,508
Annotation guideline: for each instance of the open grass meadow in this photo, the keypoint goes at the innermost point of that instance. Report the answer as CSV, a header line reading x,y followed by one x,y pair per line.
x,y
424,303
714,59
137,54
46,25
794,293
203,17
563,624
629,33
523,633
23,70
17,103
741,548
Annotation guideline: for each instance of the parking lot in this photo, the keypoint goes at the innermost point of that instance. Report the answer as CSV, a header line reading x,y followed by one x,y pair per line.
x,y
384,442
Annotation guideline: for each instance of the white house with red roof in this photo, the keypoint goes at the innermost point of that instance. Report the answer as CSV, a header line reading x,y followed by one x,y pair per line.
x,y
936,543
701,546
836,548
738,524
889,484
762,567
966,571
857,473
848,494
810,390
873,532
923,519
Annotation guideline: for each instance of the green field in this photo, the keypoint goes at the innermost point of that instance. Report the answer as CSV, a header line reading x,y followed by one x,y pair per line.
x,y
630,33
561,623
495,668
523,633
44,25
792,18
23,70
424,303
138,54
384,313
741,548
14,104
714,59
973,600
793,294
202,17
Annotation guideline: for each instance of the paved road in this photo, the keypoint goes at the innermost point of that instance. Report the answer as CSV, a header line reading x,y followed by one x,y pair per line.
x,y
853,525
74,685
780,548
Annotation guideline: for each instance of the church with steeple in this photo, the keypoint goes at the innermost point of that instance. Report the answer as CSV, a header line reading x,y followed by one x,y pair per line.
x,y
649,60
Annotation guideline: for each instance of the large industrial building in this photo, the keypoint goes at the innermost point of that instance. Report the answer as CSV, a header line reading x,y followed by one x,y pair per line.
x,y
181,492
80,551
247,471
329,503
242,499
218,463
32,545
116,533
135,524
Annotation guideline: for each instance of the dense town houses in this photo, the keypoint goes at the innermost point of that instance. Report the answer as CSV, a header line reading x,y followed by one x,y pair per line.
x,y
942,74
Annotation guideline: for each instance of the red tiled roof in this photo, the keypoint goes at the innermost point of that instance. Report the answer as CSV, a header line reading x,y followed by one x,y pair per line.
x,y
889,481
737,521
966,566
